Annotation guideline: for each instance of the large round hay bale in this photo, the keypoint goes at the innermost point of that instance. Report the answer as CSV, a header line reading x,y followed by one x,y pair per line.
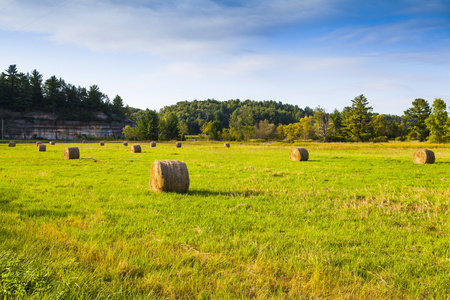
x,y
51,143
135,149
38,143
226,145
423,156
72,153
102,143
153,144
299,154
11,144
169,176
125,143
178,145
42,148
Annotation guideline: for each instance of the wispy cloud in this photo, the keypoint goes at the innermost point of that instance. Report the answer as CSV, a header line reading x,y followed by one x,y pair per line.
x,y
195,26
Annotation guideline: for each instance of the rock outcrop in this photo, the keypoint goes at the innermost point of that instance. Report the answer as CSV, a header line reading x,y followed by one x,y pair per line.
x,y
50,126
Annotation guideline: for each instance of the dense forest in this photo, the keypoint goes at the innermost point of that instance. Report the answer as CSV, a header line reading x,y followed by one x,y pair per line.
x,y
225,120
20,92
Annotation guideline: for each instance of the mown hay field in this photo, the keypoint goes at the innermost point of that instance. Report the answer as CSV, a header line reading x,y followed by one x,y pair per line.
x,y
354,221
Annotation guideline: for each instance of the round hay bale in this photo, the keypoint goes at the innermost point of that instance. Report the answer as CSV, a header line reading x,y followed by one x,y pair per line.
x,y
169,176
84,142
38,143
153,144
51,143
178,145
42,148
135,149
11,144
72,153
299,154
226,145
125,143
423,156
102,143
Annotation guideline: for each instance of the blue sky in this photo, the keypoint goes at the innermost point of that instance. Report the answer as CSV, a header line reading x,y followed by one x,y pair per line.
x,y
305,52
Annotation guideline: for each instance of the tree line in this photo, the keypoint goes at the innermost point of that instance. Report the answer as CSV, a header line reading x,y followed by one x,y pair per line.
x,y
225,120
212,119
270,120
20,92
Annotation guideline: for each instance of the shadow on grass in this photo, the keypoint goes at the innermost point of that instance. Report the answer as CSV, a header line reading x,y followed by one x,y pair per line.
x,y
209,193
46,213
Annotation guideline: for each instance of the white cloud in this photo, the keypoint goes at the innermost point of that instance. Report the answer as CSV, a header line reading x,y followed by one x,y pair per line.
x,y
191,27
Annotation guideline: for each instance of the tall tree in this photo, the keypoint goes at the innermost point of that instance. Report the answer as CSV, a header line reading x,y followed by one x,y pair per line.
x,y
37,96
147,126
168,127
437,122
415,119
118,108
53,93
358,121
11,80
336,123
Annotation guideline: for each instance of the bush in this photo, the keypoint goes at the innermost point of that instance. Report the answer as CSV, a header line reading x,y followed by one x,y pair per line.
x,y
380,139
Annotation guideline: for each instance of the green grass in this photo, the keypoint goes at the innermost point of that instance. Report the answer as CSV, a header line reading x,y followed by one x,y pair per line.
x,y
355,221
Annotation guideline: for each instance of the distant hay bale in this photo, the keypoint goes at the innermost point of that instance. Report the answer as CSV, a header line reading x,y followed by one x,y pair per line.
x,y
135,149
51,143
226,145
169,176
84,142
11,144
153,144
42,148
423,156
299,154
178,145
102,143
72,153
38,143
125,143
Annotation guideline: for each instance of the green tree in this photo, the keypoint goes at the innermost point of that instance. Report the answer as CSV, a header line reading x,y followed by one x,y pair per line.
x,y
53,93
147,126
183,130
379,125
117,107
37,96
129,133
306,127
437,122
358,121
168,126
11,85
212,129
415,119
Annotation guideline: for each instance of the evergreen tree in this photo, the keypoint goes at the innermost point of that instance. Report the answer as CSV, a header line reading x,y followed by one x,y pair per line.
x,y
147,126
415,119
37,96
358,121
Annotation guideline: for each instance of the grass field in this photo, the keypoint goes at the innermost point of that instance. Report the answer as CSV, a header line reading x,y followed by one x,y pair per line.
x,y
355,221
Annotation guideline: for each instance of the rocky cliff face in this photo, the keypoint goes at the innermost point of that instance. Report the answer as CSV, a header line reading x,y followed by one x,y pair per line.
x,y
49,126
